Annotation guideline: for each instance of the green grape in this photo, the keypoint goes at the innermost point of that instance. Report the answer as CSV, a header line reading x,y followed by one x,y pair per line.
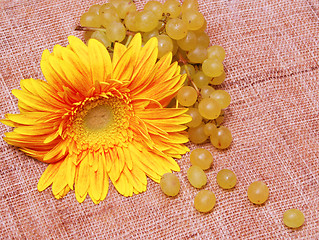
x,y
190,69
226,179
148,35
222,97
175,47
220,118
115,32
204,201
293,218
156,7
187,96
202,158
189,4
87,35
165,45
209,108
196,176
172,7
206,91
116,3
221,138
189,42
216,52
169,184
202,39
130,21
212,67
203,28
258,192
209,128
196,118
193,19
95,9
146,21
200,79
218,80
108,16
176,28
101,37
106,6
124,8
197,135
197,55
90,19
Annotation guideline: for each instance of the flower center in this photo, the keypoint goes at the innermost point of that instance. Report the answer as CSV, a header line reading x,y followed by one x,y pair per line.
x,y
99,122
98,118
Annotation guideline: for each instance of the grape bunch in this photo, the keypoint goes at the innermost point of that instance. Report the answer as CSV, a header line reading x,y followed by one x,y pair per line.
x,y
180,29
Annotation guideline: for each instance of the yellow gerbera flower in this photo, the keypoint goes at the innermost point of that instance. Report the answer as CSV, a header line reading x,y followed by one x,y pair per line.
x,y
96,118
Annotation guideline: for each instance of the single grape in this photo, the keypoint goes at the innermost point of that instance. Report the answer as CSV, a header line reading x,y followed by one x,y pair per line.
x,y
202,158
258,192
101,37
216,52
148,35
189,4
187,96
204,201
146,21
165,45
169,184
218,121
201,80
108,16
202,39
197,135
206,91
293,218
175,47
196,176
212,67
90,19
115,32
130,21
226,179
218,80
197,55
95,9
124,8
106,6
190,69
172,7
176,28
196,117
209,108
222,97
193,19
156,7
189,42
210,128
221,138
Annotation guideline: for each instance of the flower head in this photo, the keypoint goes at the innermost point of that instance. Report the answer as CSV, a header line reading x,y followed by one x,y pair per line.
x,y
96,119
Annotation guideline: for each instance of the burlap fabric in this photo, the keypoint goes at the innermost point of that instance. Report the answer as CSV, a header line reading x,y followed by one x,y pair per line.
x,y
272,75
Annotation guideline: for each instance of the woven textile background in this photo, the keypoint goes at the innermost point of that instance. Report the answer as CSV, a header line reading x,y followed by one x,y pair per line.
x,y
272,75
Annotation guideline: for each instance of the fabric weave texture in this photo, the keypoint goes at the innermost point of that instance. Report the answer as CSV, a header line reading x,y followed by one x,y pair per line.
x,y
272,69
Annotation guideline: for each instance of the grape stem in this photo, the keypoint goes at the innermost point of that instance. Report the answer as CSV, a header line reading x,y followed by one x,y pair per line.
x,y
129,38
185,62
81,28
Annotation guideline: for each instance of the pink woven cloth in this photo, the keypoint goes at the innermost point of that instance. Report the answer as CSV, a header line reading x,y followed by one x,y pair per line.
x,y
272,75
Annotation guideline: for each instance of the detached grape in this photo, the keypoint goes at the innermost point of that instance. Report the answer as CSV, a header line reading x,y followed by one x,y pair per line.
x,y
204,201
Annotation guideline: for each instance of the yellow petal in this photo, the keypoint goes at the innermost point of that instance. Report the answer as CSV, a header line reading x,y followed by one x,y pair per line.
x,y
48,176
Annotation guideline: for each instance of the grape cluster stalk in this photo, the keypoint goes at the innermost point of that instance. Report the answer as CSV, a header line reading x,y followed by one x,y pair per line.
x,y
179,29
